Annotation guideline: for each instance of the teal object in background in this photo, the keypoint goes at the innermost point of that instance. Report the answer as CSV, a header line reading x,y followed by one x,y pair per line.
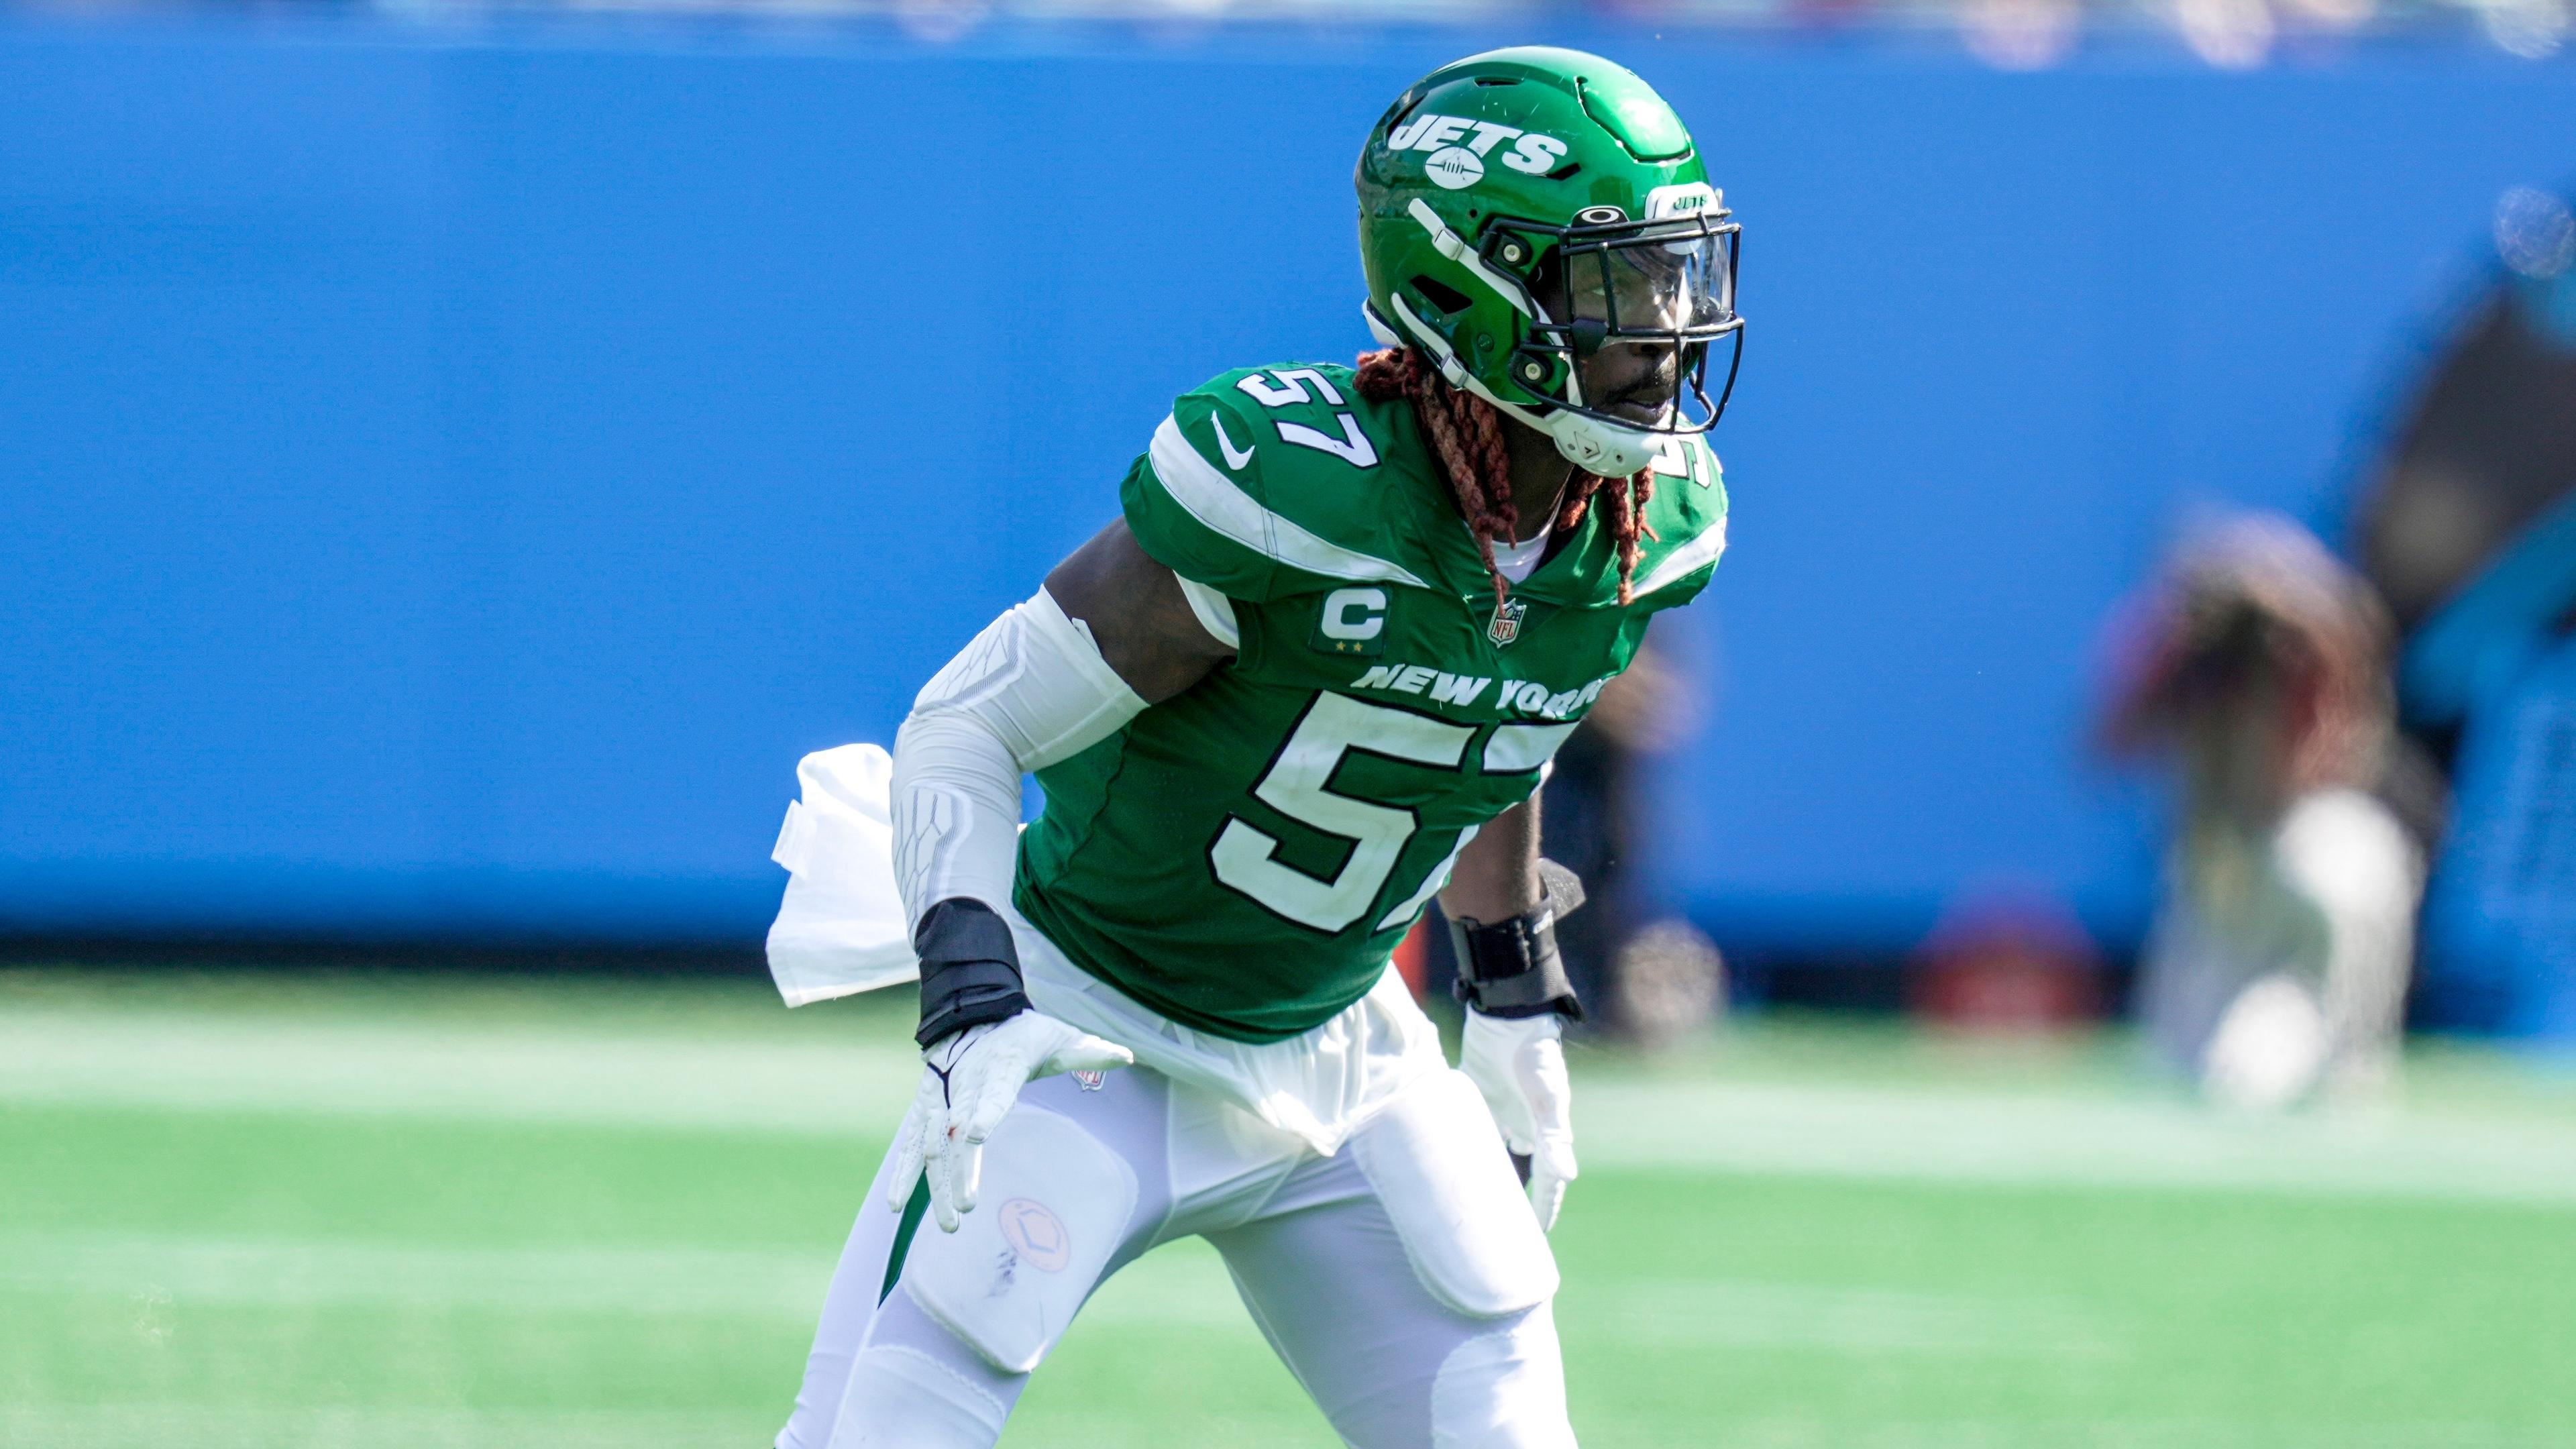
x,y
2500,920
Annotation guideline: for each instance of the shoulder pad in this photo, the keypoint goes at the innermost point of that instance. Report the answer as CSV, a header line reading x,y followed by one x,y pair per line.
x,y
1688,515
1266,479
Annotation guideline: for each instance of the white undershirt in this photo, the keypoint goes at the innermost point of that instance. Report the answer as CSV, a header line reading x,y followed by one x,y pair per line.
x,y
1517,561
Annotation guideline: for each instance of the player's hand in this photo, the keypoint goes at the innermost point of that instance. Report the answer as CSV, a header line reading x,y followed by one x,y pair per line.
x,y
968,1083
1519,1064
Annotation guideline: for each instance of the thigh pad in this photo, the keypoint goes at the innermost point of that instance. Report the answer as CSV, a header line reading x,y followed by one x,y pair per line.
x,y
1054,1204
1436,1161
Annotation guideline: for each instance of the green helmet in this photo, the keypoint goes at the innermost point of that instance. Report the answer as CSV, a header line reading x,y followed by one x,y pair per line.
x,y
1508,188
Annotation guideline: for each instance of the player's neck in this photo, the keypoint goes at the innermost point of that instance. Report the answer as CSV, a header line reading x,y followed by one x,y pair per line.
x,y
1539,473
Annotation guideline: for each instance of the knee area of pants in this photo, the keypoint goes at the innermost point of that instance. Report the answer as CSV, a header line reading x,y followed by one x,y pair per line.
x,y
903,1398
1503,1390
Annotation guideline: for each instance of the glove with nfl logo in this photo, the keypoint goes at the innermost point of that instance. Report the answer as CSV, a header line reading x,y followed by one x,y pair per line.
x,y
1519,1064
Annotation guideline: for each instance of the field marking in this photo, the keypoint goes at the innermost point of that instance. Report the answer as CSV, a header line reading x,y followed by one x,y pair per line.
x,y
1182,1285
281,1063
212,1426
1799,1433
1988,1137
1179,1286
229,1426
338,1067
311,1272
1705,1313
225,1426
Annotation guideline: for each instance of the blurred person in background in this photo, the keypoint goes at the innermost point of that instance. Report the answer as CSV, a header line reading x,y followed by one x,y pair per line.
x,y
2257,672
1655,978
1647,978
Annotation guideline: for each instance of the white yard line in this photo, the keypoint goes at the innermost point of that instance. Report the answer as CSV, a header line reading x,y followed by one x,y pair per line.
x,y
151,1280
1936,1134
210,1426
2099,1433
1704,1314
149,1271
336,1066
730,1081
226,1426
1183,1284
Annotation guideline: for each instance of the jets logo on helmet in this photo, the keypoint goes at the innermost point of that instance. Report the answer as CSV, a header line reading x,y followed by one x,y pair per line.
x,y
1526,210
1530,152
1455,168
1683,200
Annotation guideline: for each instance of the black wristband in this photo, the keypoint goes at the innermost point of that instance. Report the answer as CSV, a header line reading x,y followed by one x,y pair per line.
x,y
970,971
1511,968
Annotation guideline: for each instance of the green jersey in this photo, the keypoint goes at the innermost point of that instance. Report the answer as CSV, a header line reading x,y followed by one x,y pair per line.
x,y
1244,857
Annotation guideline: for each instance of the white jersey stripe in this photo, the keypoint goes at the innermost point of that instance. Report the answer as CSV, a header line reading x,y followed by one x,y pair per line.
x,y
1686,560
1515,748
1214,610
1213,499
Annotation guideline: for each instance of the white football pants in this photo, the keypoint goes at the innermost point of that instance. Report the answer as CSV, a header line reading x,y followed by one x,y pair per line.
x,y
1403,1280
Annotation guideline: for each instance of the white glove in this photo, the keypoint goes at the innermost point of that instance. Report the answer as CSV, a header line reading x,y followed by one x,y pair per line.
x,y
1519,1064
968,1083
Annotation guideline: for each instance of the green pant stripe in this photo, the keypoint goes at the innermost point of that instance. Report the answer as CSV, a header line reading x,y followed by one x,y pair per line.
x,y
912,1211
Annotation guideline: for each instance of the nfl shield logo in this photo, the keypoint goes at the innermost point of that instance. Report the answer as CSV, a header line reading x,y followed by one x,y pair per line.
x,y
1507,622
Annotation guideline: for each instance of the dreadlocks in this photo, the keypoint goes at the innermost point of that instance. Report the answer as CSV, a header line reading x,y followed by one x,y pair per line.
x,y
1467,434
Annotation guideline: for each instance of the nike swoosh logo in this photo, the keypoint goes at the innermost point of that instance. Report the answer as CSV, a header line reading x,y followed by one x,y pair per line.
x,y
1234,458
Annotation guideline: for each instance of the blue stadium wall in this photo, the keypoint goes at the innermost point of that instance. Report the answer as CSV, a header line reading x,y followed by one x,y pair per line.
x,y
449,472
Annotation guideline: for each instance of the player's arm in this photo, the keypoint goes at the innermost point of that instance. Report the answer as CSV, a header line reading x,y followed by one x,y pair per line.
x,y
1496,877
1149,629
1502,910
1112,633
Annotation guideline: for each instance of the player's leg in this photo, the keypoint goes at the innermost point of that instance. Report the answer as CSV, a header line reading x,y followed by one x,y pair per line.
x,y
848,1309
928,1337
1406,1284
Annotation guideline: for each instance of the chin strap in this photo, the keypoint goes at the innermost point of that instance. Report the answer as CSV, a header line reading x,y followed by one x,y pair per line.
x,y
1511,968
1587,443
970,971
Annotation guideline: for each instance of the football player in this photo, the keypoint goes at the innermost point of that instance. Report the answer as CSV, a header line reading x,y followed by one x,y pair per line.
x,y
1310,680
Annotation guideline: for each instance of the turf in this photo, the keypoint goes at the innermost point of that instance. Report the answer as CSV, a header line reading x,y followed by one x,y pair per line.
x,y
380,1214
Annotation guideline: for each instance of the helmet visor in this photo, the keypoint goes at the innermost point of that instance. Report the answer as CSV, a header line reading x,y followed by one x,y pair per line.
x,y
1651,288
1635,310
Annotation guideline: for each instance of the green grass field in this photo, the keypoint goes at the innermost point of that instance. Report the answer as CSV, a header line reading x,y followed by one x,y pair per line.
x,y
371,1213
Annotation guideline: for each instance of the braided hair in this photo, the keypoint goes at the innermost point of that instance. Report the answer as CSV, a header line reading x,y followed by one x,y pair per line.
x,y
1467,434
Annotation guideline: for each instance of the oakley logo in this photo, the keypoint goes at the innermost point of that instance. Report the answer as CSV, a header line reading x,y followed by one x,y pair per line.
x,y
1473,141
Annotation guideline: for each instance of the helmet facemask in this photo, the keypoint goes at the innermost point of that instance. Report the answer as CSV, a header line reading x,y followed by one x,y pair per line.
x,y
1626,315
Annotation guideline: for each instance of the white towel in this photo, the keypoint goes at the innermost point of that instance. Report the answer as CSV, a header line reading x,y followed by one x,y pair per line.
x,y
840,929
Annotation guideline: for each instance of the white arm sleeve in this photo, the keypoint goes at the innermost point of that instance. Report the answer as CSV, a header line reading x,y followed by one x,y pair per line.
x,y
1031,690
